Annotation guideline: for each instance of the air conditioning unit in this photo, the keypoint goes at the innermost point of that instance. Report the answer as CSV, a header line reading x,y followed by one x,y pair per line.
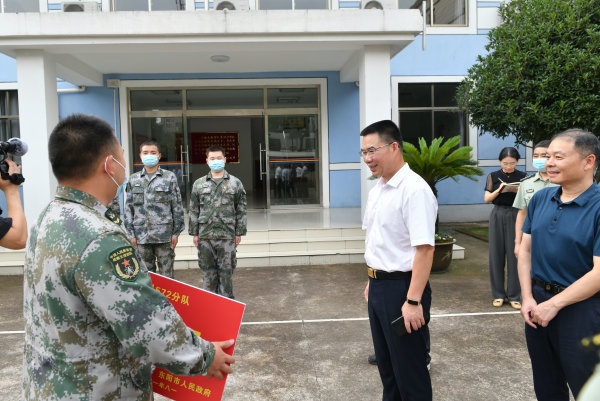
x,y
379,4
80,6
231,5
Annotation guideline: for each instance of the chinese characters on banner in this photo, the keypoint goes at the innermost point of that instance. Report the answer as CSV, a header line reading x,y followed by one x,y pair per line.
x,y
201,141
211,316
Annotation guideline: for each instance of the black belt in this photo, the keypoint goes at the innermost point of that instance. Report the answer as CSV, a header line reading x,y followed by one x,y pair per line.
x,y
383,275
555,288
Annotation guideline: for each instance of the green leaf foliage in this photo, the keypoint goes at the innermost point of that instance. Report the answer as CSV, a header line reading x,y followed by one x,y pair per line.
x,y
441,160
542,71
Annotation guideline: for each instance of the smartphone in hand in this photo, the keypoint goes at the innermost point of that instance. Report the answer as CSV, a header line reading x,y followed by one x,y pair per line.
x,y
400,328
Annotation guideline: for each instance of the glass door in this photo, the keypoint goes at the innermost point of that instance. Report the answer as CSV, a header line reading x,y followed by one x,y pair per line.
x,y
156,114
168,133
270,135
293,160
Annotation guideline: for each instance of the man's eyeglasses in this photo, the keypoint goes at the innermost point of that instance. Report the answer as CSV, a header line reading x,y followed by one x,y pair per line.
x,y
371,151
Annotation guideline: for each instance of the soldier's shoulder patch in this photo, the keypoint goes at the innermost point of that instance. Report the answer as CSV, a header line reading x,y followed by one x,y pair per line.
x,y
527,177
125,263
112,216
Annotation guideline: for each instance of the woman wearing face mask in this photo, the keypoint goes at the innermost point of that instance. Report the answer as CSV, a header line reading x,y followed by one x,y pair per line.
x,y
530,186
502,228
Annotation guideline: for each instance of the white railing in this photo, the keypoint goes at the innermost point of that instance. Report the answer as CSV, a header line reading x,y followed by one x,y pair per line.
x,y
445,12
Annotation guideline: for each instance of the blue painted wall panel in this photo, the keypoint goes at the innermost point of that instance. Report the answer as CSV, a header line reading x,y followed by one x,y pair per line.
x,y
344,121
95,100
463,192
8,69
444,55
344,188
489,147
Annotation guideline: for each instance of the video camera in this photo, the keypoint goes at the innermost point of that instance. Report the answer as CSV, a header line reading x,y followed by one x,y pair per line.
x,y
16,147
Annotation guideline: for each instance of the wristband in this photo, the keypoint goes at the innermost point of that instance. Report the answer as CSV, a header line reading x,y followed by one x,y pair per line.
x,y
413,302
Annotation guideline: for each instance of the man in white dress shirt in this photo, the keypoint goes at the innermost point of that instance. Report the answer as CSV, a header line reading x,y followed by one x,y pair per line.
x,y
400,223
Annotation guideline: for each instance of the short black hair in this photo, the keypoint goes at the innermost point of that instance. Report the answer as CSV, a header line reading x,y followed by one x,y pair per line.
x,y
542,144
387,130
77,144
150,143
585,142
215,148
509,151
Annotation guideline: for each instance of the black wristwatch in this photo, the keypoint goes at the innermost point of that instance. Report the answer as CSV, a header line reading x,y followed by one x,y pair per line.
x,y
413,302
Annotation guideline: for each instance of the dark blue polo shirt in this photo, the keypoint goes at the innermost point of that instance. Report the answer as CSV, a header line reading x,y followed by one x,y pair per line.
x,y
564,236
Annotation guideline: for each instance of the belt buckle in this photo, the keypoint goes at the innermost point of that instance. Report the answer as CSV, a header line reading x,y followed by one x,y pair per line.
x,y
548,287
372,273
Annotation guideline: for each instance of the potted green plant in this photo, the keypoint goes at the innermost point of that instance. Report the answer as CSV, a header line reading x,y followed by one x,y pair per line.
x,y
441,160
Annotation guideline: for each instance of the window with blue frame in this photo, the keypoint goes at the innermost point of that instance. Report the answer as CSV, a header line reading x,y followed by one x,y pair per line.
x,y
293,4
147,5
9,115
440,12
21,6
429,110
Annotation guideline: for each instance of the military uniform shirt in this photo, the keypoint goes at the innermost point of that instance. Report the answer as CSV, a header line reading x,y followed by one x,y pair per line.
x,y
153,210
94,326
529,186
218,209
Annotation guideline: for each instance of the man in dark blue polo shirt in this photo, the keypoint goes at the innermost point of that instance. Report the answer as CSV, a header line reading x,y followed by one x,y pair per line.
x,y
559,267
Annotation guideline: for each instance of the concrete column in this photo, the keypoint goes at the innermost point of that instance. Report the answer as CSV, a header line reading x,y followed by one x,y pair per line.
x,y
375,100
38,114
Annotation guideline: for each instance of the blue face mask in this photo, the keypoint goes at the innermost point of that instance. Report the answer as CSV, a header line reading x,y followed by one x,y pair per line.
x,y
150,160
539,164
120,188
216,165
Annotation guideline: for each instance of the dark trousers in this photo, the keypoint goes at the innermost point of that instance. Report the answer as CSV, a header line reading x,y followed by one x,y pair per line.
x,y
502,252
557,357
401,360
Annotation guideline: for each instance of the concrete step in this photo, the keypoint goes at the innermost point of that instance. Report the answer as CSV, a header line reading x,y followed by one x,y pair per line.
x,y
264,248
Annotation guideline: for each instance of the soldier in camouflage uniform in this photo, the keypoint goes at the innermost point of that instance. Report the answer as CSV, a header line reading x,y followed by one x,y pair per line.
x,y
217,222
153,212
94,326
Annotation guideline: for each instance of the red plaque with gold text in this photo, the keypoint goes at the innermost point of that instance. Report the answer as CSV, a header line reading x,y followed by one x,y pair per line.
x,y
211,316
201,141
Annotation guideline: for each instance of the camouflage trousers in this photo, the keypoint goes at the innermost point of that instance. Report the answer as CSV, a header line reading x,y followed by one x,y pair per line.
x,y
161,254
216,259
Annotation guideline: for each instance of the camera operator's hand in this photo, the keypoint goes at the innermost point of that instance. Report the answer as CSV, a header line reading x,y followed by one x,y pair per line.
x,y
16,236
13,168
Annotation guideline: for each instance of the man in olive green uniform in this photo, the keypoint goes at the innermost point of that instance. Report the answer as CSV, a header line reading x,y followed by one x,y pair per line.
x,y
94,326
153,212
529,186
217,222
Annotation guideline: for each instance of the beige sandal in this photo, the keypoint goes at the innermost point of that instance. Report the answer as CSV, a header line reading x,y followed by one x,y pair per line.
x,y
515,304
498,302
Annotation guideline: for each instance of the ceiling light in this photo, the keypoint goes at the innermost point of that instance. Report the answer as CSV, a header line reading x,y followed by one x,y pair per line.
x,y
220,58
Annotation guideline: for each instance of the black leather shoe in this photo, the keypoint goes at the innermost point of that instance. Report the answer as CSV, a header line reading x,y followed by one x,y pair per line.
x,y
372,359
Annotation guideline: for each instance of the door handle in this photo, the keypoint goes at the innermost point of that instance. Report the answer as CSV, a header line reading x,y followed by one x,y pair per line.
x,y
260,162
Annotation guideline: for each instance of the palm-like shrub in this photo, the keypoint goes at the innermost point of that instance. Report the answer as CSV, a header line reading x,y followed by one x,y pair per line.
x,y
441,160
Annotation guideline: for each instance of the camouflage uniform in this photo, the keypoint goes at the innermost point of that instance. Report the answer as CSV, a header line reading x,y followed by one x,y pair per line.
x,y
153,215
217,216
94,326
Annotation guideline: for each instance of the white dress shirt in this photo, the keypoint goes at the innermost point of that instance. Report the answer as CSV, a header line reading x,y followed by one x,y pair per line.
x,y
400,215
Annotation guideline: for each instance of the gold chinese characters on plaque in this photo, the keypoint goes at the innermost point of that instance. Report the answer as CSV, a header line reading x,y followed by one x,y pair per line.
x,y
201,141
